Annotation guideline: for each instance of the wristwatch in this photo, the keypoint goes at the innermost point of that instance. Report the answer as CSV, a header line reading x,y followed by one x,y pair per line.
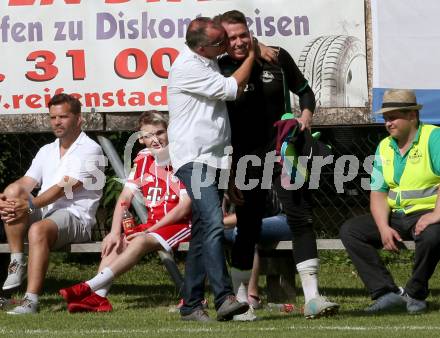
x,y
31,206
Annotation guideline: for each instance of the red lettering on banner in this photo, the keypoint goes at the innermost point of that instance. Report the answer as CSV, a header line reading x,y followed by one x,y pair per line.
x,y
121,63
33,101
16,101
49,70
157,61
42,2
89,97
120,94
47,97
21,2
118,98
107,99
76,95
78,63
68,2
77,2
158,98
136,99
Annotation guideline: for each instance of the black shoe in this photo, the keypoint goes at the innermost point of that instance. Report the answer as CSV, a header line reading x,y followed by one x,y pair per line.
x,y
388,302
231,307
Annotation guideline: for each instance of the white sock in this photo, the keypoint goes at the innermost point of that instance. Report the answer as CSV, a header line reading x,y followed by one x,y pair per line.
x,y
103,292
308,273
33,297
242,293
240,282
18,256
102,279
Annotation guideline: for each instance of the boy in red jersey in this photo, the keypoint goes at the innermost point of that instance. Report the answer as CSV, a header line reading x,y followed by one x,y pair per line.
x,y
168,224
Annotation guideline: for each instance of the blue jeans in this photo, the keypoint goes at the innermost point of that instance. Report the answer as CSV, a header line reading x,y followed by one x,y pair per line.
x,y
273,229
206,255
297,207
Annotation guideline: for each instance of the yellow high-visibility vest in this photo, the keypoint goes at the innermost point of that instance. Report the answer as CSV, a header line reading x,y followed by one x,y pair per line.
x,y
418,185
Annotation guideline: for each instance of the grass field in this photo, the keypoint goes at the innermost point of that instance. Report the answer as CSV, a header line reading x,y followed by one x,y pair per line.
x,y
142,300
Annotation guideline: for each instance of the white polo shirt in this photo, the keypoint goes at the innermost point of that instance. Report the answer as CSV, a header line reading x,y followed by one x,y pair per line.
x,y
82,161
199,129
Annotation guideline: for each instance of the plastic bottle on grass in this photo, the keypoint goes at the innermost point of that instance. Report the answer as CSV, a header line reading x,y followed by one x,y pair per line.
x,y
128,221
287,308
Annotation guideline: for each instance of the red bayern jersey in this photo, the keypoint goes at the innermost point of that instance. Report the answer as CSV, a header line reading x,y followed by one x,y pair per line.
x,y
160,187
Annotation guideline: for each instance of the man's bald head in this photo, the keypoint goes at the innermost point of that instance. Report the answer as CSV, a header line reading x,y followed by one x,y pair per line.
x,y
197,33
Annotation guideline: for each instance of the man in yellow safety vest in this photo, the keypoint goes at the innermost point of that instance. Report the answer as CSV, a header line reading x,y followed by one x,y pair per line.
x,y
404,205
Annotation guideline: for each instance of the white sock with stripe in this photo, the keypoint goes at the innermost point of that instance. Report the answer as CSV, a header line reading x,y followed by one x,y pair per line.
x,y
103,291
33,297
101,280
18,256
308,273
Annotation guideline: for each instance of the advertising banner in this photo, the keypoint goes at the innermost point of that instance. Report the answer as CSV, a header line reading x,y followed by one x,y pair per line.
x,y
115,54
406,52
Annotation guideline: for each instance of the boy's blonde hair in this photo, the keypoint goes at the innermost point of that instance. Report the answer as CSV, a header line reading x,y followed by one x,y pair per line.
x,y
153,117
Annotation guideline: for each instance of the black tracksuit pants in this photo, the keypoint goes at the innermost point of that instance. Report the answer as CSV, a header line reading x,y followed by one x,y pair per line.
x,y
296,205
361,238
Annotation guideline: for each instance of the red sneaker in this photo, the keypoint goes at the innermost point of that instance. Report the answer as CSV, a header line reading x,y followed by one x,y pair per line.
x,y
179,306
76,292
91,303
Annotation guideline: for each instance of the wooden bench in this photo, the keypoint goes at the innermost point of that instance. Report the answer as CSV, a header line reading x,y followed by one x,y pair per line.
x,y
74,248
322,244
276,263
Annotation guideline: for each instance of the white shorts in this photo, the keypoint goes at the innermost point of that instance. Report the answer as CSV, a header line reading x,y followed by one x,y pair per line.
x,y
70,229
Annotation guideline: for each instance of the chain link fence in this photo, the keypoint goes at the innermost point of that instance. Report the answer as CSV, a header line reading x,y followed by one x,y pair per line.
x,y
333,202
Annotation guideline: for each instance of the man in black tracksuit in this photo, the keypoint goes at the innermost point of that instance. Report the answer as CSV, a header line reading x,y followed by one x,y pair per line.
x,y
263,103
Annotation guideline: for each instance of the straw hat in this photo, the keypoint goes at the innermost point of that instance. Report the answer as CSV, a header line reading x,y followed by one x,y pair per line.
x,y
399,99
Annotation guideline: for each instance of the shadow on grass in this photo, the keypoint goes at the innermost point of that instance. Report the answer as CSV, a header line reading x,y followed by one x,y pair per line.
x,y
339,291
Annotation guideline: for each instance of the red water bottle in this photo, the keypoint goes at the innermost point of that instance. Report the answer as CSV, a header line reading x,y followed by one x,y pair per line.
x,y
128,222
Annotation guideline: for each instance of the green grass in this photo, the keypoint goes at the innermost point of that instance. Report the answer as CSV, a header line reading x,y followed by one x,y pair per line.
x,y
142,297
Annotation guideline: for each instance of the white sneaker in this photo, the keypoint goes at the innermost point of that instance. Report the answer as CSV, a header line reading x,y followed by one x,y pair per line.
x,y
248,316
16,275
320,307
25,308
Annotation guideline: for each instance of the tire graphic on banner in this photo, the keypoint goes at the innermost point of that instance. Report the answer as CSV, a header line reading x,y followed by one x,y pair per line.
x,y
335,68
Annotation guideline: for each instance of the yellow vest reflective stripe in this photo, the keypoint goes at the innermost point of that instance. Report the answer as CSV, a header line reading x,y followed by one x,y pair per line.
x,y
418,185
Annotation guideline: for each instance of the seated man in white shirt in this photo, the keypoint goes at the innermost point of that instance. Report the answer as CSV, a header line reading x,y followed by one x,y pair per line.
x,y
69,172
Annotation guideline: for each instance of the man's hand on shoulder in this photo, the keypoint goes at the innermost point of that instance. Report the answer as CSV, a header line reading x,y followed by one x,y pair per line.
x,y
253,48
268,54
